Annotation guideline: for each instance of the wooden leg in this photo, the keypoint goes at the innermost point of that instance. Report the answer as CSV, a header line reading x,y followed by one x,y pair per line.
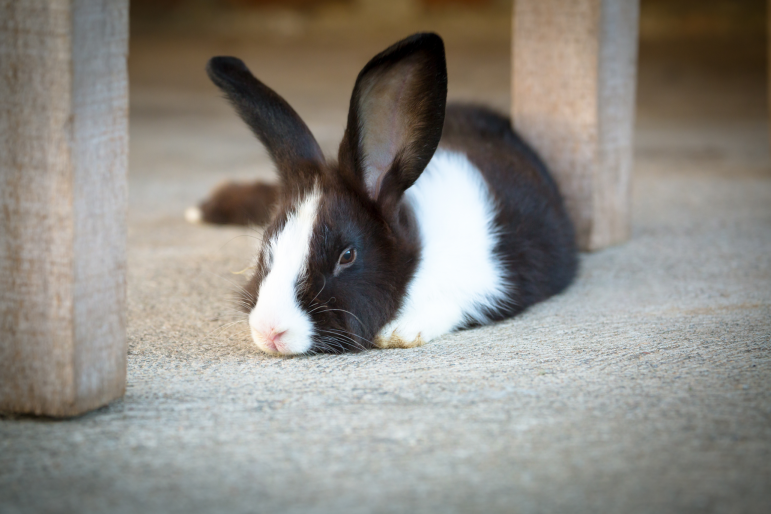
x,y
63,157
573,91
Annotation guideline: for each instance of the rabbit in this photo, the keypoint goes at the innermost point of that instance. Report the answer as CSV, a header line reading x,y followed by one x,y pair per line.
x,y
434,217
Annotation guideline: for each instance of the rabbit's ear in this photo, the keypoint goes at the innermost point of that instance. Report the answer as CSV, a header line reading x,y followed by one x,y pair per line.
x,y
286,137
396,117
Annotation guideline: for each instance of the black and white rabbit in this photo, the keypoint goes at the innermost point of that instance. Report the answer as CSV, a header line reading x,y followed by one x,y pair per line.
x,y
433,218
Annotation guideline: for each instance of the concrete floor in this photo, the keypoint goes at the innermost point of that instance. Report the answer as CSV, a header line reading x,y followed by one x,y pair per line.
x,y
644,388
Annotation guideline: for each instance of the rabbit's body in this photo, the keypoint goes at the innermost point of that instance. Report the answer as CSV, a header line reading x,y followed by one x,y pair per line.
x,y
494,236
459,278
398,242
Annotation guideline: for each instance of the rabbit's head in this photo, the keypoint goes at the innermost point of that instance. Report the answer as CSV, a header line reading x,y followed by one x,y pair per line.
x,y
336,259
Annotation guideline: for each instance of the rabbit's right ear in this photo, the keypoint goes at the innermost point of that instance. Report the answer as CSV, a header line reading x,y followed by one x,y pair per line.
x,y
287,138
396,117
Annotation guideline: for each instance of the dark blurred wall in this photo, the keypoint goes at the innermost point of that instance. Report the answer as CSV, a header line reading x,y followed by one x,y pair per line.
x,y
659,18
142,7
698,18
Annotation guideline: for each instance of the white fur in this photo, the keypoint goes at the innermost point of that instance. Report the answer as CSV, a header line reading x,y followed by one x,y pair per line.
x,y
287,255
459,273
193,215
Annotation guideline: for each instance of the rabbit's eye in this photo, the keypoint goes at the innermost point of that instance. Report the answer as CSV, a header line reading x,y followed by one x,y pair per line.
x,y
347,257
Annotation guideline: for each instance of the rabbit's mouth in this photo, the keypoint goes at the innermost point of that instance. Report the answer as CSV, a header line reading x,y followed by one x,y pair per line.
x,y
271,341
275,338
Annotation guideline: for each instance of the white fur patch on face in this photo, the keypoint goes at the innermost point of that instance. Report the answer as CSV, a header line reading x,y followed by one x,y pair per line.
x,y
277,310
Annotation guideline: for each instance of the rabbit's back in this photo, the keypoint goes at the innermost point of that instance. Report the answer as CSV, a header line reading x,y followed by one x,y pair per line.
x,y
536,241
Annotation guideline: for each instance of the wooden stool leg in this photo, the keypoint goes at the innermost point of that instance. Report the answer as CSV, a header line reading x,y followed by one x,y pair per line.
x,y
573,93
63,198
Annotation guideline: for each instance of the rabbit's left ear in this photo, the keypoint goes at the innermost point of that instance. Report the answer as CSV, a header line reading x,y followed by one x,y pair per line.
x,y
396,117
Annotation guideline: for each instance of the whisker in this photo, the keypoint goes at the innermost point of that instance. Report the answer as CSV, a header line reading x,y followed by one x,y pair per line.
x,y
355,343
240,335
332,344
351,334
320,290
343,338
231,282
226,325
348,337
318,306
258,238
233,310
352,314
246,306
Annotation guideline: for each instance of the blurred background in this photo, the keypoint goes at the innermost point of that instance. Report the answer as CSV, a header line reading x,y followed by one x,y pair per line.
x,y
701,84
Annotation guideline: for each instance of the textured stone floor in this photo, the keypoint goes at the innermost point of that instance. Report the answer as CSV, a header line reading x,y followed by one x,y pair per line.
x,y
646,387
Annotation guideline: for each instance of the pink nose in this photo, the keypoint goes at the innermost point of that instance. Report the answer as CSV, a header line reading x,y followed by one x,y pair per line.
x,y
273,340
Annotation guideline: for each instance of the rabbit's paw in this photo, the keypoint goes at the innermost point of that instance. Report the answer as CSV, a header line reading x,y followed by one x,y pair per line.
x,y
393,336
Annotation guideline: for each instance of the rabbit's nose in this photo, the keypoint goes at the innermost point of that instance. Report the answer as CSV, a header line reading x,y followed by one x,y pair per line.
x,y
273,339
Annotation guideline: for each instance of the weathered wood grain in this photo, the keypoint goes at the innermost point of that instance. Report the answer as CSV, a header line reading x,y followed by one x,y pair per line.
x,y
63,158
573,88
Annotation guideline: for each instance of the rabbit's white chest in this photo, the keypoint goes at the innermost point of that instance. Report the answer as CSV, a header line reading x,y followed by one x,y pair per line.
x,y
459,278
